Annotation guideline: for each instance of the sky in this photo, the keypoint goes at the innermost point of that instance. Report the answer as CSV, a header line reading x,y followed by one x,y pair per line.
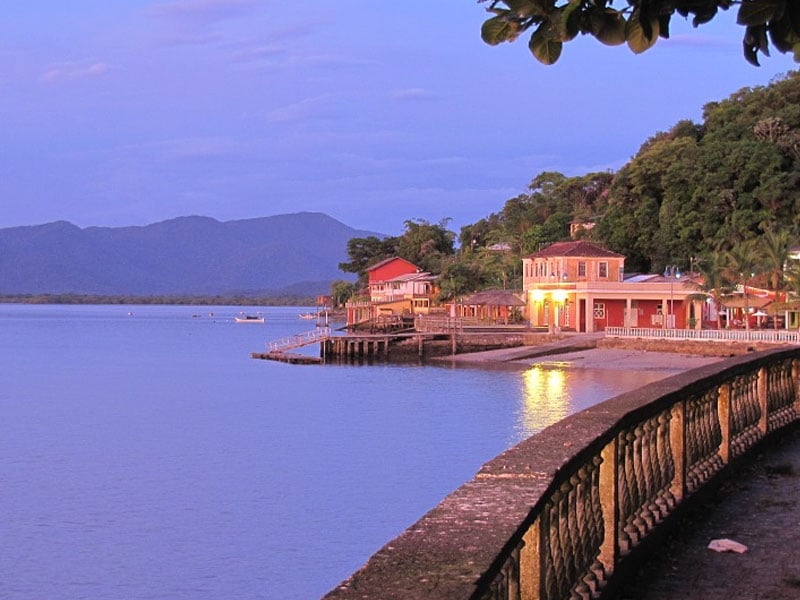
x,y
131,112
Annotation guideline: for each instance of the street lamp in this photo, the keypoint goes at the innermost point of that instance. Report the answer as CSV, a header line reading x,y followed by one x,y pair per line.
x,y
673,273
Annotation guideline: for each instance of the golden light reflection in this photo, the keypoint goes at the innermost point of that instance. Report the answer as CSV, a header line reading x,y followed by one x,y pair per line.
x,y
559,295
545,398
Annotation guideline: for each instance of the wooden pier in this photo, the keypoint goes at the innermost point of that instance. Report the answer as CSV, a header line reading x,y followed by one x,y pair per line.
x,y
357,347
288,357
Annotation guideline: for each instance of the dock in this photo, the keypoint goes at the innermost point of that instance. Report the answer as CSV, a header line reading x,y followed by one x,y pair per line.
x,y
288,357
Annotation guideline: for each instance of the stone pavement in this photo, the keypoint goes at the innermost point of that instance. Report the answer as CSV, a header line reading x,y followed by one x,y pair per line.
x,y
758,506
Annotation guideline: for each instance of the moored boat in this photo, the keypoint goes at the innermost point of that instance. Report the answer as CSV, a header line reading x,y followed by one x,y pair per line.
x,y
244,318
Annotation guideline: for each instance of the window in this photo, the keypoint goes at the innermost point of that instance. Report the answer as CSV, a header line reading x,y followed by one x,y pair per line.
x,y
602,270
599,310
581,268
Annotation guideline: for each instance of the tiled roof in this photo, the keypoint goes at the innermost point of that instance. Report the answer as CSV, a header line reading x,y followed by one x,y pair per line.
x,y
579,248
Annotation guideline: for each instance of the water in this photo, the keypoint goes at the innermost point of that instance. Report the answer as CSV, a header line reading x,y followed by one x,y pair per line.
x,y
145,455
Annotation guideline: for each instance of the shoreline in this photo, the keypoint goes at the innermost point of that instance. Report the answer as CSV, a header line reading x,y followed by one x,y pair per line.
x,y
616,359
590,352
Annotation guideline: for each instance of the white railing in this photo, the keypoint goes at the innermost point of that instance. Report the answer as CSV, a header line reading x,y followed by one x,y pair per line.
x,y
774,336
301,339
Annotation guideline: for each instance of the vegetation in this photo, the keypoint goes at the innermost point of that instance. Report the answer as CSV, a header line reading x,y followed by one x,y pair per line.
x,y
721,197
698,189
427,245
637,24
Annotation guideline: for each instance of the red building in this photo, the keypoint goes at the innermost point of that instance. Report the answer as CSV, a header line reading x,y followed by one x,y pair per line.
x,y
396,287
581,286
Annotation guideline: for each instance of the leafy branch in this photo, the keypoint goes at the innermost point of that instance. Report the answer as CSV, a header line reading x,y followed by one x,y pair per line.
x,y
638,23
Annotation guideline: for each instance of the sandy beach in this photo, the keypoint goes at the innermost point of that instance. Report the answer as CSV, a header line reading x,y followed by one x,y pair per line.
x,y
568,354
624,360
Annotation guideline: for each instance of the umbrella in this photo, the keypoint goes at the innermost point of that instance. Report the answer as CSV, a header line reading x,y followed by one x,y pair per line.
x,y
759,313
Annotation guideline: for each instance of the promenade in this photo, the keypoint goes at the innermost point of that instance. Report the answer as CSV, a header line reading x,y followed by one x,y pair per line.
x,y
757,504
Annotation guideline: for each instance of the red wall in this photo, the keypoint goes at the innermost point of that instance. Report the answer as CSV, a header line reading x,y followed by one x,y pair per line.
x,y
615,314
390,270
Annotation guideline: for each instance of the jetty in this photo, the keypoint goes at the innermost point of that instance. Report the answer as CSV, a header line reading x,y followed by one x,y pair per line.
x,y
288,357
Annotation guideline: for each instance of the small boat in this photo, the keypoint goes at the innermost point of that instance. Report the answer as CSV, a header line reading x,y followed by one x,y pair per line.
x,y
308,316
243,318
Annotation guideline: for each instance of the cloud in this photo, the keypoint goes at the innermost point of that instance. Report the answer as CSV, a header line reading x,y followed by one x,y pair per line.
x,y
331,61
326,106
74,70
413,94
189,148
257,52
205,11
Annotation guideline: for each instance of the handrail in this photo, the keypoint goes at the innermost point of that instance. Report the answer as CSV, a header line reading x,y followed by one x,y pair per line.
x,y
563,514
775,336
298,341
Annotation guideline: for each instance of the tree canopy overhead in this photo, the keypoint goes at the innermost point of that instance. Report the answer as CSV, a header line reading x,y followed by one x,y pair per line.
x,y
637,23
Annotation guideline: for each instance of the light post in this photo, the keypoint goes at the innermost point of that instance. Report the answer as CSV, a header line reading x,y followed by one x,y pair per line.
x,y
673,273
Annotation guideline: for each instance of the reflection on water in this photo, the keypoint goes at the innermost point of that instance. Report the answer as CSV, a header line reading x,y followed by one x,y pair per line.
x,y
545,398
553,392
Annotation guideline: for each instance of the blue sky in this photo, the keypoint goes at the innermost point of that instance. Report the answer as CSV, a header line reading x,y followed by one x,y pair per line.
x,y
129,112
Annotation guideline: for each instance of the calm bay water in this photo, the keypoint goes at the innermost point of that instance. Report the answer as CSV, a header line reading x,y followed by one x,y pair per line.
x,y
145,455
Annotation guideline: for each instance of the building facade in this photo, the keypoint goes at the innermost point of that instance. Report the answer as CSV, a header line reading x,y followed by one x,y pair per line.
x,y
397,287
580,286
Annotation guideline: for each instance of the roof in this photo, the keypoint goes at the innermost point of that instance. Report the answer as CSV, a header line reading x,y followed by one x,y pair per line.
x,y
640,278
386,261
750,302
578,248
494,298
499,247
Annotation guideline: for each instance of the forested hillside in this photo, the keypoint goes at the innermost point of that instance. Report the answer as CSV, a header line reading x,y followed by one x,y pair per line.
x,y
702,188
698,194
693,190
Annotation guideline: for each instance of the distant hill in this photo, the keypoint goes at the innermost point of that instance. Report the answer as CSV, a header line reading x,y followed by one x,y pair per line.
x,y
294,253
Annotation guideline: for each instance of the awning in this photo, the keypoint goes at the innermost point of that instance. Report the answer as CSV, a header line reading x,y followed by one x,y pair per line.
x,y
741,302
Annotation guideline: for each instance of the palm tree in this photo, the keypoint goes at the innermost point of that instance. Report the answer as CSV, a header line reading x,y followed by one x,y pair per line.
x,y
774,249
712,282
741,266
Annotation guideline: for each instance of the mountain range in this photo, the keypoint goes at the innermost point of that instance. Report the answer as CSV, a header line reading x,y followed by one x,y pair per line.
x,y
284,254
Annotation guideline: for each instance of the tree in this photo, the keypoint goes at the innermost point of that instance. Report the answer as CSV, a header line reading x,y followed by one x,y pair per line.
x,y
741,265
459,278
365,252
342,291
775,248
426,244
638,23
713,283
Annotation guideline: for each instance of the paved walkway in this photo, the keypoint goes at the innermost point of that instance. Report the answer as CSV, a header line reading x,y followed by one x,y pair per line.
x,y
758,507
